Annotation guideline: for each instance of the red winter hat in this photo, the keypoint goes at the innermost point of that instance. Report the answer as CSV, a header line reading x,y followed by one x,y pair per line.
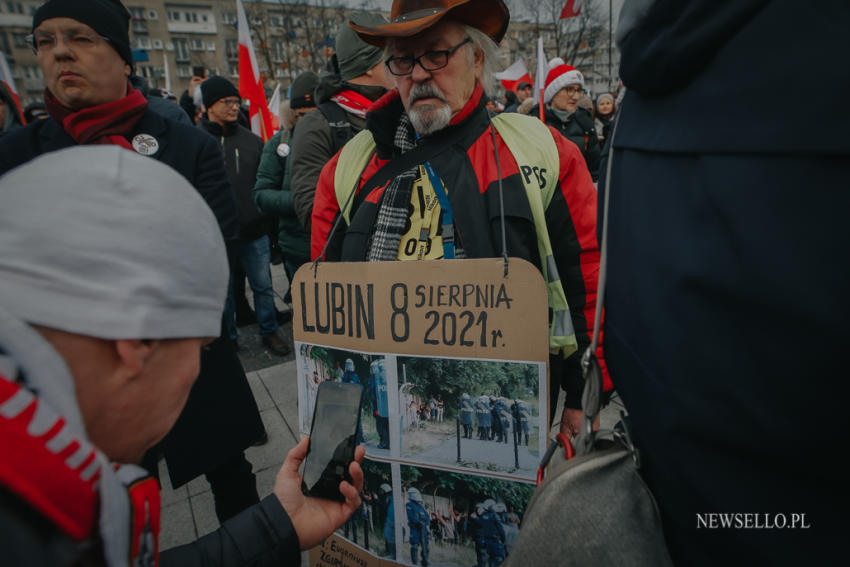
x,y
560,75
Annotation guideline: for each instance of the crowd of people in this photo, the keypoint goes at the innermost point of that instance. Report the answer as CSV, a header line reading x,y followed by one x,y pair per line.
x,y
131,222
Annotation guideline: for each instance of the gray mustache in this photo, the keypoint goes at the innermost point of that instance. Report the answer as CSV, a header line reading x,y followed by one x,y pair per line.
x,y
425,90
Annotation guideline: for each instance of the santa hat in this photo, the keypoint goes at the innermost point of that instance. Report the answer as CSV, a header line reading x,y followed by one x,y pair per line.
x,y
560,75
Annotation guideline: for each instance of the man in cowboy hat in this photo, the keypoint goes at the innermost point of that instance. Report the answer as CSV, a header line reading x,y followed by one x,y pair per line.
x,y
434,172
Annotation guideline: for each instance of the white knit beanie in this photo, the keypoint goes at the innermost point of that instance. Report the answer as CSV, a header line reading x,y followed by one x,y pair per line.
x,y
560,75
103,242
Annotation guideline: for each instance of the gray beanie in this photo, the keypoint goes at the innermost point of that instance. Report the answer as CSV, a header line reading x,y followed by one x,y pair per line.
x,y
103,242
354,55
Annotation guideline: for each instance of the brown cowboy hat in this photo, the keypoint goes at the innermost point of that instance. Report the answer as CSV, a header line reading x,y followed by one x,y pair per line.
x,y
409,17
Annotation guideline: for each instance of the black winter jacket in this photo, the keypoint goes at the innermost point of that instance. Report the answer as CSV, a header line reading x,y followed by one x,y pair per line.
x,y
580,130
726,306
242,153
196,157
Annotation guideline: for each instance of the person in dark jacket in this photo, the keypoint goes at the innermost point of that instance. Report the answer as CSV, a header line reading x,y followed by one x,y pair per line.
x,y
90,101
10,114
564,89
342,98
242,151
96,368
727,298
418,522
273,189
606,108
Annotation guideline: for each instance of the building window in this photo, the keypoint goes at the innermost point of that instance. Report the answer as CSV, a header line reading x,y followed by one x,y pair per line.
x,y
183,71
191,17
231,48
196,44
228,17
4,43
181,49
234,71
173,16
20,39
278,51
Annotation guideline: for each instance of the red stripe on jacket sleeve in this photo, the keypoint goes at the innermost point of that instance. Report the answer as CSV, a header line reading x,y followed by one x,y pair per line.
x,y
581,197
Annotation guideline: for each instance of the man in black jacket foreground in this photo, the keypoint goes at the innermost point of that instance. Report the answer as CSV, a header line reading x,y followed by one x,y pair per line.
x,y
95,368
727,300
242,152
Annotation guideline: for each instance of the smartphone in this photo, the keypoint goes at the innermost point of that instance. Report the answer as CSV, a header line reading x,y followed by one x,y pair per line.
x,y
333,438
199,71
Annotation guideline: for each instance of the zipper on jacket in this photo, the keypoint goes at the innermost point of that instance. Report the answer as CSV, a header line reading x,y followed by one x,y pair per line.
x,y
236,150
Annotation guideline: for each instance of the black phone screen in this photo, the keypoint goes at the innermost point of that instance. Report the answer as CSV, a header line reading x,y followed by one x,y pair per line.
x,y
333,438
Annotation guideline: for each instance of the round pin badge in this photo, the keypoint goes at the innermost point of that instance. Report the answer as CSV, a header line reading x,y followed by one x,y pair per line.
x,y
145,144
283,150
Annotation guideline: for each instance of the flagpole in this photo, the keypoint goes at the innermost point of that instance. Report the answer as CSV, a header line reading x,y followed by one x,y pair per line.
x,y
610,43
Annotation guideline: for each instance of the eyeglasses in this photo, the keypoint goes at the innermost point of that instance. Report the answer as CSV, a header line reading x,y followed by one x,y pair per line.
x,y
430,60
230,101
42,42
572,91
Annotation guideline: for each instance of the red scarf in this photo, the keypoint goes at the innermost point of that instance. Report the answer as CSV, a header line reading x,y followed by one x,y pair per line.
x,y
352,102
106,123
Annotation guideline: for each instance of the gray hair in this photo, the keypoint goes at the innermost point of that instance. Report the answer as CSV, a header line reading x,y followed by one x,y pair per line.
x,y
488,48
490,51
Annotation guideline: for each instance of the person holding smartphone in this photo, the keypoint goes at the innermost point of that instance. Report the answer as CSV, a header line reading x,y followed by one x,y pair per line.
x,y
95,369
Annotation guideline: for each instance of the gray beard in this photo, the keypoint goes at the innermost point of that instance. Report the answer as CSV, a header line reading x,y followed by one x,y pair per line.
x,y
427,119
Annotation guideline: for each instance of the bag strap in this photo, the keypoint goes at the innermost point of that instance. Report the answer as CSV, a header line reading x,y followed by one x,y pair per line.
x,y
591,398
341,130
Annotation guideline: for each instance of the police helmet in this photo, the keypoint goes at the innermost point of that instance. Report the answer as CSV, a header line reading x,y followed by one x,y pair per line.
x,y
413,495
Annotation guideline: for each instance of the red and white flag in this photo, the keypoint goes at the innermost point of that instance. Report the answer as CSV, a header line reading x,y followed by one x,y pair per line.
x,y
250,87
514,75
7,79
274,108
571,9
540,78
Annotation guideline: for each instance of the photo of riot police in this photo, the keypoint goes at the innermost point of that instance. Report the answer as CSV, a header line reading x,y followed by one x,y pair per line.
x,y
317,364
372,526
459,519
471,414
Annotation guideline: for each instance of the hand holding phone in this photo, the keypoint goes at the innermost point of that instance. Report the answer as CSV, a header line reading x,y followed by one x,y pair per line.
x,y
333,439
314,519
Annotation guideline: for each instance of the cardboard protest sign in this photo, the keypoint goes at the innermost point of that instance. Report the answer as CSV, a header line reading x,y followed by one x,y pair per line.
x,y
452,355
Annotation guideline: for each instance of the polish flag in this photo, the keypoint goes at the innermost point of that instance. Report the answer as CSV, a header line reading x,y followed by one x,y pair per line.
x,y
274,108
250,87
7,79
514,75
571,9
540,78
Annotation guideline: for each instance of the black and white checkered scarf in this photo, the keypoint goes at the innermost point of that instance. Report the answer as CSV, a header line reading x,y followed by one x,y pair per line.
x,y
392,218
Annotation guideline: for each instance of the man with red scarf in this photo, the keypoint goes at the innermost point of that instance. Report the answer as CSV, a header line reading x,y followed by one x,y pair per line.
x,y
83,50
342,99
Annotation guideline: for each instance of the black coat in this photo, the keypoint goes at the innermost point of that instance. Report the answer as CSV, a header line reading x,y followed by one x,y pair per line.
x,y
580,130
242,151
221,418
727,300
